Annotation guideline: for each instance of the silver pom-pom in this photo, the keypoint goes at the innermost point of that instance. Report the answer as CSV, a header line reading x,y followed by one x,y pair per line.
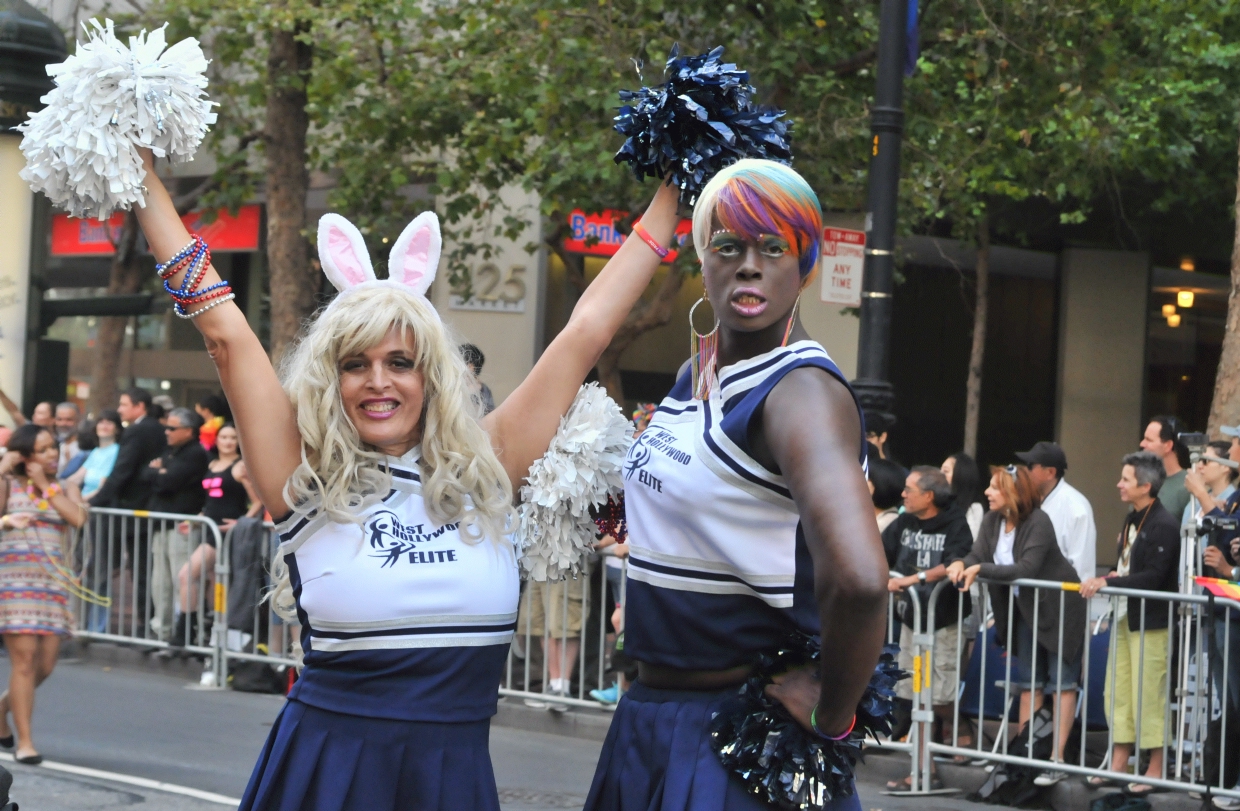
x,y
82,148
581,469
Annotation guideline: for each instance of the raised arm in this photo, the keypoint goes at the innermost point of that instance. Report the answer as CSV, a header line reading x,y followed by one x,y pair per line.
x,y
811,427
15,413
522,428
265,420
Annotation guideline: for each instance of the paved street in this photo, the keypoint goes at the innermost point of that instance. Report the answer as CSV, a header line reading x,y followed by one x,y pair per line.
x,y
149,726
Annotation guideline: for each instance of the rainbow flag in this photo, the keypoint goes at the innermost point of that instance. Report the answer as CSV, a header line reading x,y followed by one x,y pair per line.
x,y
1220,588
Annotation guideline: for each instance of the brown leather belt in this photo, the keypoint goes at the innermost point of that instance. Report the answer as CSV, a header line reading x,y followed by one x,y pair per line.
x,y
661,677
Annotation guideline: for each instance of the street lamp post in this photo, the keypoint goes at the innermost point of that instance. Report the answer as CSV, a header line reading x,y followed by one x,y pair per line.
x,y
887,128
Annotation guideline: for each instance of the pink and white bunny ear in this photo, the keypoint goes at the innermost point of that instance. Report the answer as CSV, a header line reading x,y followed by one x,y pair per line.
x,y
415,256
342,252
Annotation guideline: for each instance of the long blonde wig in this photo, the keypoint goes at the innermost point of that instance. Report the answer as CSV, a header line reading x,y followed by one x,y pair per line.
x,y
462,479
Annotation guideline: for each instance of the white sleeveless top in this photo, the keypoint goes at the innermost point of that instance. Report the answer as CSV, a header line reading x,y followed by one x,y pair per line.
x,y
400,618
718,567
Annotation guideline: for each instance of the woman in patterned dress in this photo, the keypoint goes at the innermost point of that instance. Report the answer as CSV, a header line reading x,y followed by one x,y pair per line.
x,y
34,601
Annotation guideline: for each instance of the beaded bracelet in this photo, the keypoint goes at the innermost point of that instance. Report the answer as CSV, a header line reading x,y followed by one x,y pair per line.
x,y
180,311
813,724
641,231
179,256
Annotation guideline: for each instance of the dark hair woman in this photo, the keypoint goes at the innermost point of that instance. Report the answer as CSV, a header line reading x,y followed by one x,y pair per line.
x,y
886,480
34,600
966,481
1017,540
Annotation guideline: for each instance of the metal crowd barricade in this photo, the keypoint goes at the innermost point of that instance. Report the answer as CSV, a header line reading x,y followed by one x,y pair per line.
x,y
527,673
253,632
1194,707
128,590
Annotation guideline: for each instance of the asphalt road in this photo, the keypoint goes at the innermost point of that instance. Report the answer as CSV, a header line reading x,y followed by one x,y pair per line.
x,y
149,726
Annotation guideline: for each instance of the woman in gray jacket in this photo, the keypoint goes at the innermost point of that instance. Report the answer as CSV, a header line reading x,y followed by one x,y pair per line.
x,y
1017,540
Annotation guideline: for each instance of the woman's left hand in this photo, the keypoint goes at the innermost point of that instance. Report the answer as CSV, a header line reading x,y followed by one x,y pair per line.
x,y
1092,586
36,474
799,691
970,574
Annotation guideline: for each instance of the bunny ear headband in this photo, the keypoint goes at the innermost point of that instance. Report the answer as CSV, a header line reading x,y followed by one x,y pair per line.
x,y
411,265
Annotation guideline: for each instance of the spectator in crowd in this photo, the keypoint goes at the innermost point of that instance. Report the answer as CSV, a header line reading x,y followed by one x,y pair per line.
x,y
1018,540
85,440
1161,438
214,412
482,392
13,409
102,458
1149,555
65,421
1070,512
1211,481
142,442
966,481
34,600
877,424
553,611
175,483
929,536
886,480
229,496
44,415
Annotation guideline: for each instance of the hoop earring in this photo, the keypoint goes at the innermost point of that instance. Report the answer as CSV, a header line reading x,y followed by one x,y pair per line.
x,y
704,351
792,319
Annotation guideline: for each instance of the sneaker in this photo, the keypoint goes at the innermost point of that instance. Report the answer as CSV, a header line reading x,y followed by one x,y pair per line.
x,y
1227,803
536,703
556,706
609,696
1049,778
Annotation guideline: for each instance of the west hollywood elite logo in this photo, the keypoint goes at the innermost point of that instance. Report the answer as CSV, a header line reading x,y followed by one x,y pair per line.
x,y
393,540
653,439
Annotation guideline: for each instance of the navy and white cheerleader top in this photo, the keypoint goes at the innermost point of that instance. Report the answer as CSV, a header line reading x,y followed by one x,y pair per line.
x,y
400,618
718,567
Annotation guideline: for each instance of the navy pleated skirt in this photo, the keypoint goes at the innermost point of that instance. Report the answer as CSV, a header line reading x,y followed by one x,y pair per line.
x,y
658,757
318,760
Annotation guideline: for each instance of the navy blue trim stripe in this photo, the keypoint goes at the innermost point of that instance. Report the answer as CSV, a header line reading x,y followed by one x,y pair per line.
x,y
675,411
285,537
736,466
719,577
417,631
294,577
727,379
406,474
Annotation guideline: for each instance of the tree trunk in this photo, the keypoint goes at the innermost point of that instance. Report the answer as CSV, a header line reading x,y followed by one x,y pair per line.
x,y
294,281
645,316
973,390
1225,407
125,278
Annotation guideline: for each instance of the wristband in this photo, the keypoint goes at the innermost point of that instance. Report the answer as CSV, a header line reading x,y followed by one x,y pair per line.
x,y
813,724
641,232
921,578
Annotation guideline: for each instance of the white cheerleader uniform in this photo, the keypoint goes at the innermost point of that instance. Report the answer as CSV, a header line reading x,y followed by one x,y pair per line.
x,y
718,572
405,627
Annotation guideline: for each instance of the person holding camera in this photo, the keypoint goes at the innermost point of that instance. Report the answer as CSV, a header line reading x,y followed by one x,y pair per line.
x,y
1211,481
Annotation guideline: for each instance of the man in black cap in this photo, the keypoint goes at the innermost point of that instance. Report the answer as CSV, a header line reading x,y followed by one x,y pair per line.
x,y
1069,510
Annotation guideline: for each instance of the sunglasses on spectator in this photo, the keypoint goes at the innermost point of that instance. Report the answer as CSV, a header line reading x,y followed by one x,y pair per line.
x,y
168,428
1219,460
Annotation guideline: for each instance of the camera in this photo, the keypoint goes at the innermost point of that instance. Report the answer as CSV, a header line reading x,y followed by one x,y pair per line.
x,y
1196,444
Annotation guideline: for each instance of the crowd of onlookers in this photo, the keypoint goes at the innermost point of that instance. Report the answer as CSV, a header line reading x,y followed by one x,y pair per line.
x,y
1026,522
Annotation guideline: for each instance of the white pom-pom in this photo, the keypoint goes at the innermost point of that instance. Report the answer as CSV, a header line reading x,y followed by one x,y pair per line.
x,y
82,148
580,470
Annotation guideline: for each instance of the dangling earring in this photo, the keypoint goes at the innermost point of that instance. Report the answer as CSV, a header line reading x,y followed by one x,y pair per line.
x,y
705,352
792,319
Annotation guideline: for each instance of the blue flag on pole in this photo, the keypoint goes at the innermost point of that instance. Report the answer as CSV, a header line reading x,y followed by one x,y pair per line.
x,y
912,40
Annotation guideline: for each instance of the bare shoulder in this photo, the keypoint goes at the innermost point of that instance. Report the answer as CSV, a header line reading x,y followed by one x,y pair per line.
x,y
808,399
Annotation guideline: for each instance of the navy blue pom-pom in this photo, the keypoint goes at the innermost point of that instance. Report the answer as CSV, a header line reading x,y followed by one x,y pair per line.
x,y
700,120
760,742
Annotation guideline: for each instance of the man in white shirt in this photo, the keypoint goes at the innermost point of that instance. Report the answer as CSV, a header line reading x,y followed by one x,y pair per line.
x,y
1068,509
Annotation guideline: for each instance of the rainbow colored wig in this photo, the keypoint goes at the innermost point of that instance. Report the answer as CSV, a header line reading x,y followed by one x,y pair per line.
x,y
755,197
